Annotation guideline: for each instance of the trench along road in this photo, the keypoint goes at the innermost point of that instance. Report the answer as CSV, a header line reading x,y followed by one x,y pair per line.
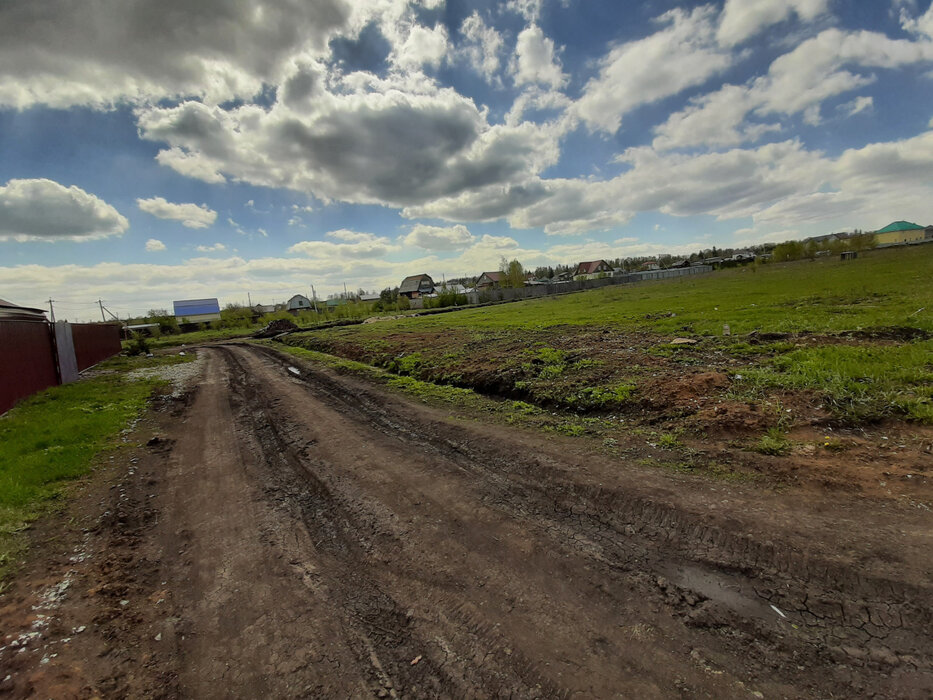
x,y
324,538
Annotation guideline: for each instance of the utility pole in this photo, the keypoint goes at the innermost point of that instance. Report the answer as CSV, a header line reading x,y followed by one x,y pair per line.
x,y
313,299
101,305
249,299
52,309
345,294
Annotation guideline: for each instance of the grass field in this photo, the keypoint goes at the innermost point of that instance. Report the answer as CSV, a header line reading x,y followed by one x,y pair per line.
x,y
53,437
855,333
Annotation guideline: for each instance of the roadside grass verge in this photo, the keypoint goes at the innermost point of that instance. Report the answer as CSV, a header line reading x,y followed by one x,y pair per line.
x,y
442,395
54,437
613,433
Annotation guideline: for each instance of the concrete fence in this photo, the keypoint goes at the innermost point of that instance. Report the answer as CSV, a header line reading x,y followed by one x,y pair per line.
x,y
35,354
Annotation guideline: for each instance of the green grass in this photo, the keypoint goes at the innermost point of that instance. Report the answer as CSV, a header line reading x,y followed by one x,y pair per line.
x,y
859,382
53,437
774,442
523,345
880,288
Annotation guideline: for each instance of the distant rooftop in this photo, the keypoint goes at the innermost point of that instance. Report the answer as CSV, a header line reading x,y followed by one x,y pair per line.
x,y
899,226
196,307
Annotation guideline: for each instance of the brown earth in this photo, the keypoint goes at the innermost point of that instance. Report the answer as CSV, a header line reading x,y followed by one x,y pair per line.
x,y
283,534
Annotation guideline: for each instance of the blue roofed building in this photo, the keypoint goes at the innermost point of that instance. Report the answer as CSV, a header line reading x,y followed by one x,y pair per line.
x,y
197,310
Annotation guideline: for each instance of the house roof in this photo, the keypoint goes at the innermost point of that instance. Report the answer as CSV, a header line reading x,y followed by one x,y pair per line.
x,y
412,283
196,307
898,226
494,276
12,311
590,267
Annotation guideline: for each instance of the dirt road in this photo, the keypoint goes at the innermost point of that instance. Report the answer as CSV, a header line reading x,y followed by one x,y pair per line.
x,y
296,533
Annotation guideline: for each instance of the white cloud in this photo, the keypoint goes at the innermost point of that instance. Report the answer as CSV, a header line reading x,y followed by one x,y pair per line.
x,y
374,142
681,55
154,245
190,215
743,19
61,53
44,210
439,237
529,9
482,46
921,26
353,245
797,82
536,61
422,46
859,104
216,248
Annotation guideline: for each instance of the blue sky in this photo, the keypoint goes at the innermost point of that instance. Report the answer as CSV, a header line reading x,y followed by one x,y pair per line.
x,y
152,151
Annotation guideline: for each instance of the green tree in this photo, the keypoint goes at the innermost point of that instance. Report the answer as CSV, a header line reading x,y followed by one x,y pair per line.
x,y
513,274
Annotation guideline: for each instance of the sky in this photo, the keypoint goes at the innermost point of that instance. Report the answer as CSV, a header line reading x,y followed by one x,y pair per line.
x,y
153,150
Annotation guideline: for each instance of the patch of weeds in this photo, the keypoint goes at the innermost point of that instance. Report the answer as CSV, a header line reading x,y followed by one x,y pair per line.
x,y
406,365
669,441
858,383
774,442
600,397
832,444
546,363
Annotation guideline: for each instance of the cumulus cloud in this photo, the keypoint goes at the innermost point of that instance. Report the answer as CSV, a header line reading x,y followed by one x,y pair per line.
x,y
798,81
439,237
683,54
61,53
536,60
44,210
422,46
743,19
154,245
776,185
375,143
352,245
216,248
190,215
859,104
482,46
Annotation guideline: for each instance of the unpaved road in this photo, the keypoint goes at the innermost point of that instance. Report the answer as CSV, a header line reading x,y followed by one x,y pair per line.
x,y
314,536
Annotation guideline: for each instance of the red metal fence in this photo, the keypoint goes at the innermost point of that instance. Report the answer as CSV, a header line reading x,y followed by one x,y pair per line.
x,y
27,360
95,342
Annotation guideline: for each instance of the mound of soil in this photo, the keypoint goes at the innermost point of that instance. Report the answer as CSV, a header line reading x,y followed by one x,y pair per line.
x,y
276,327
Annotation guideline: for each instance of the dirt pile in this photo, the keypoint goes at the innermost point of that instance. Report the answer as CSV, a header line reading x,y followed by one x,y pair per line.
x,y
273,328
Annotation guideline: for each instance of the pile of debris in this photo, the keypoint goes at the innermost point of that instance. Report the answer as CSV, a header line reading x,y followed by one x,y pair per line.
x,y
276,327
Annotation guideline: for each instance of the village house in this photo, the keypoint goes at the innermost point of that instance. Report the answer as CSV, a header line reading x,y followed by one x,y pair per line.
x,y
899,232
416,286
592,269
298,303
489,280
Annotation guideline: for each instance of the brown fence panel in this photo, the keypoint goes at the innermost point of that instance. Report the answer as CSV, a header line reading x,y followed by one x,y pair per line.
x,y
95,342
27,360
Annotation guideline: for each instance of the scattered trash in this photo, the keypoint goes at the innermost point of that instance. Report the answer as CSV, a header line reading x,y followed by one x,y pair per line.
x,y
726,330
295,371
414,661
778,612
683,341
158,637
182,353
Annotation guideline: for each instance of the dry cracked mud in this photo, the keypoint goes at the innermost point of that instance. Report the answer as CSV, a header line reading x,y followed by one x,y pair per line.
x,y
299,533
